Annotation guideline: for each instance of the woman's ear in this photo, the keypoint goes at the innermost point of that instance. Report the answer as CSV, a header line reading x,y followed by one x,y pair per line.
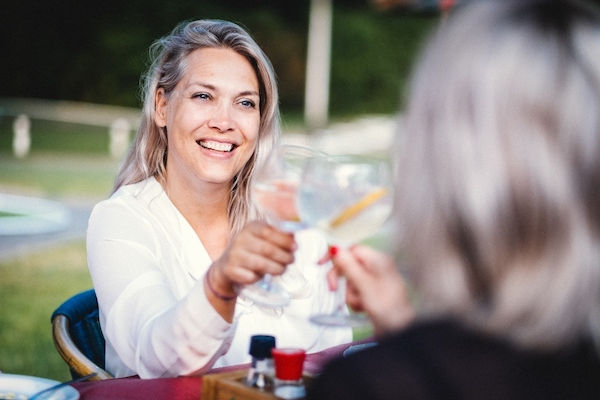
x,y
160,107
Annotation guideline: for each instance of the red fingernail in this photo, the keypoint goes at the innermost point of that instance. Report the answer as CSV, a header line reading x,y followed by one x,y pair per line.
x,y
331,286
333,250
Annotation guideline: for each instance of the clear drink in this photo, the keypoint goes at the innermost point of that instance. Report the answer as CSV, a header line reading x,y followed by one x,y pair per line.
x,y
274,192
278,200
366,222
349,199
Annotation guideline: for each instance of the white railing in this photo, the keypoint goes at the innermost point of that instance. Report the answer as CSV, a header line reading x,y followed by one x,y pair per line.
x,y
119,121
365,134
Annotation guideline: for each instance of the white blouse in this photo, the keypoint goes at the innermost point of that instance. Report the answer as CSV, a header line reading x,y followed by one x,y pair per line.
x,y
147,265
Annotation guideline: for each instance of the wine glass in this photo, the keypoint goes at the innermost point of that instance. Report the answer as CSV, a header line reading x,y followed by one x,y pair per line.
x,y
274,192
349,199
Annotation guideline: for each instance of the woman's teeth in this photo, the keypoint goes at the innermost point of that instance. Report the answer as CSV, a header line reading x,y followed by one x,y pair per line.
x,y
218,146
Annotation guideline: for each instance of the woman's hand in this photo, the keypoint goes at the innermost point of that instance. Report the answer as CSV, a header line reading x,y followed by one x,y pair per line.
x,y
257,250
374,286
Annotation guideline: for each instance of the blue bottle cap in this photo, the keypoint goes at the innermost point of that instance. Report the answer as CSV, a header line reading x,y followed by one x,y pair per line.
x,y
261,345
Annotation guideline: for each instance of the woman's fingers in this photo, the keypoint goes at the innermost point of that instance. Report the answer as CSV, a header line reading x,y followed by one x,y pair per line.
x,y
353,297
264,256
257,250
373,262
348,265
332,279
374,286
270,247
324,259
276,237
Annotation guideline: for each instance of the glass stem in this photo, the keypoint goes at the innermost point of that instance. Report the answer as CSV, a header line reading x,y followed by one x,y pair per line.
x,y
265,282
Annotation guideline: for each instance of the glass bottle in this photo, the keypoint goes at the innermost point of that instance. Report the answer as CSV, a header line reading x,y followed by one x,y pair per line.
x,y
261,372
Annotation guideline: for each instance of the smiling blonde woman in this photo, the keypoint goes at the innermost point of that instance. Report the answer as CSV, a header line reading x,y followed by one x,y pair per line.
x,y
176,240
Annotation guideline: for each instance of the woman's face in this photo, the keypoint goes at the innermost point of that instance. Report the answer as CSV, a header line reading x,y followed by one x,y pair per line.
x,y
212,118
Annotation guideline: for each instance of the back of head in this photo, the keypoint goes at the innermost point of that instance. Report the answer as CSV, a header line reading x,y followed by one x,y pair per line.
x,y
498,197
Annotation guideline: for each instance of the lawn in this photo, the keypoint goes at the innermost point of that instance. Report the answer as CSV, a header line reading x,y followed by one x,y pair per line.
x,y
58,176
32,287
66,162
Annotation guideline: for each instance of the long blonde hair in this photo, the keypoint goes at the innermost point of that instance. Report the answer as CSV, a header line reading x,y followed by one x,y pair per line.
x,y
499,197
148,155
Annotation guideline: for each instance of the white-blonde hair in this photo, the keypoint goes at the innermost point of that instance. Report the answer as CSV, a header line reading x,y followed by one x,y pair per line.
x,y
499,193
148,155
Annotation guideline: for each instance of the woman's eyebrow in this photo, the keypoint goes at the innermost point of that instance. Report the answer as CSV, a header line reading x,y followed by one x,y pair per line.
x,y
249,93
202,84
213,87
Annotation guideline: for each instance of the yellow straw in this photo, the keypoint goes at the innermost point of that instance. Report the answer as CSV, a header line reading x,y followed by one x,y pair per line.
x,y
357,207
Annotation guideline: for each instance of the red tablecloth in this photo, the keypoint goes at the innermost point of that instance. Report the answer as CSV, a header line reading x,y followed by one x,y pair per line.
x,y
179,388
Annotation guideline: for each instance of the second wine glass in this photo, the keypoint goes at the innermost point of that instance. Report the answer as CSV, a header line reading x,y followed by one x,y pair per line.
x,y
274,192
349,199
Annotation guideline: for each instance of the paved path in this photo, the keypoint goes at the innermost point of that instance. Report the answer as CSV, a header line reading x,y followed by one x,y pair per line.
x,y
367,135
12,246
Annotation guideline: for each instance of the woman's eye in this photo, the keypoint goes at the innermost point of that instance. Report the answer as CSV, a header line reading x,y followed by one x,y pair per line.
x,y
204,96
248,103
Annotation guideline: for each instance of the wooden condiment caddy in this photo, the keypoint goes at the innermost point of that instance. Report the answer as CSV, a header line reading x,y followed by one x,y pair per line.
x,y
232,386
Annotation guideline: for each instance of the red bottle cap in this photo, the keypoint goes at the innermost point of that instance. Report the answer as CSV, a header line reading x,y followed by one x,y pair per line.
x,y
289,363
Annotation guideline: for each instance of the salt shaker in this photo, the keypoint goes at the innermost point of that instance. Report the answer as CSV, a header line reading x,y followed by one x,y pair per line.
x,y
260,374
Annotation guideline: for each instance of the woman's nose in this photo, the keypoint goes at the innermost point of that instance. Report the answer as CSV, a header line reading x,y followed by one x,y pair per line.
x,y
221,119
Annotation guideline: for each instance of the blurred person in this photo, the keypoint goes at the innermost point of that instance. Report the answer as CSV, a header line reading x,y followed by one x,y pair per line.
x,y
179,236
498,218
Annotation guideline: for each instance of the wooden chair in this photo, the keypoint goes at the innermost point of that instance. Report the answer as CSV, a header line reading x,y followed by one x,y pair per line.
x,y
78,336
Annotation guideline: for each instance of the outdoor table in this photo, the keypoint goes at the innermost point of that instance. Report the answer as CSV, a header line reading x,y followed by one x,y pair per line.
x,y
183,387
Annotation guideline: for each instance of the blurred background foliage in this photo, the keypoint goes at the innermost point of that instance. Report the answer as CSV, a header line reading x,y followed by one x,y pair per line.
x,y
95,51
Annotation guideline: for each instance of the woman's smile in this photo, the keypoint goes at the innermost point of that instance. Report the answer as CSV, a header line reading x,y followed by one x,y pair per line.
x,y
222,147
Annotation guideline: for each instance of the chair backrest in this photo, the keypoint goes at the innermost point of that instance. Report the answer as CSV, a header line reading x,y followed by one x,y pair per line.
x,y
78,336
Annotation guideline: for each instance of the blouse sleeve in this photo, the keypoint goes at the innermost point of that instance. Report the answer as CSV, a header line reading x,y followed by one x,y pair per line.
x,y
154,333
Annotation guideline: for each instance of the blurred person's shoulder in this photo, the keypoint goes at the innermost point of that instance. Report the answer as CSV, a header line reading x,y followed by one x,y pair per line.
x,y
443,359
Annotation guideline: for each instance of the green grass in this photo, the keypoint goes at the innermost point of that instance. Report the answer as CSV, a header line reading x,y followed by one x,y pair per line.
x,y
59,175
10,214
32,287
58,137
67,161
